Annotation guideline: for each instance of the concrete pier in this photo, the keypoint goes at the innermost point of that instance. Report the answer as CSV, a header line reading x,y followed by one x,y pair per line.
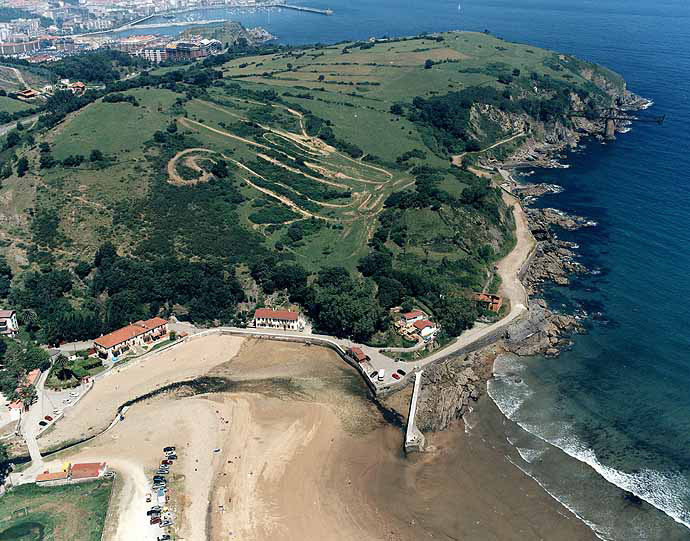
x,y
414,439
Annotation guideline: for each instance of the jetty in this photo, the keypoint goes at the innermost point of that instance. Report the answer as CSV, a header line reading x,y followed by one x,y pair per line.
x,y
414,439
303,8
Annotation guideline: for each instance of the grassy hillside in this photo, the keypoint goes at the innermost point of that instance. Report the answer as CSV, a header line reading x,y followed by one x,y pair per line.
x,y
254,172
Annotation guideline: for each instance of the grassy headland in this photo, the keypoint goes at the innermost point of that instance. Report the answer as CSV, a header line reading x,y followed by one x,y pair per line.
x,y
324,172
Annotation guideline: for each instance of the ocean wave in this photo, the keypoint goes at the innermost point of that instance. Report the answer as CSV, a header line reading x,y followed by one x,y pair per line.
x,y
667,491
529,455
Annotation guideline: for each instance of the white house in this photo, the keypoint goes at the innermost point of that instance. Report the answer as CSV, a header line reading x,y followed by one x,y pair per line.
x,y
277,319
8,323
426,329
413,316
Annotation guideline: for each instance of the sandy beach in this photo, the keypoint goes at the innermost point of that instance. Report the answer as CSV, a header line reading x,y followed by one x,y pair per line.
x,y
303,452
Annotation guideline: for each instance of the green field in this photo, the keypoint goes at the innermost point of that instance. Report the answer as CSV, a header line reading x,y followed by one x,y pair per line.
x,y
63,513
9,105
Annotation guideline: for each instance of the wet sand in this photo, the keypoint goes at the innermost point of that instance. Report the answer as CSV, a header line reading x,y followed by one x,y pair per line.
x,y
305,453
296,469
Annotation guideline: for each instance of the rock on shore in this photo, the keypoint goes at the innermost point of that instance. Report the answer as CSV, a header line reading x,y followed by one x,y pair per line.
x,y
542,331
448,390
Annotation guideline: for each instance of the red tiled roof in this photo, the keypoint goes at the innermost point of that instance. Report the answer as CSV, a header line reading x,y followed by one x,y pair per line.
x,y
87,469
130,331
423,324
413,314
30,379
358,354
283,315
47,476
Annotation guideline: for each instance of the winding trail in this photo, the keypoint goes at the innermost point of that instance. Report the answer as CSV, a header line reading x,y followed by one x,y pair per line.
x,y
457,159
176,179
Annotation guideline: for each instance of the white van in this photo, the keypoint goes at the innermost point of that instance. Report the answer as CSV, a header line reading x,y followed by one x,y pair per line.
x,y
382,374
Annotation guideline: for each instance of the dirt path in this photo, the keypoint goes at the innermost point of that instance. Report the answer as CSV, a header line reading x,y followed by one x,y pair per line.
x,y
187,121
457,159
285,200
298,172
17,74
174,178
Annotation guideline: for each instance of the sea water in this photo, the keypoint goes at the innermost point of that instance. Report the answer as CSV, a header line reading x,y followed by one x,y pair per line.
x,y
613,412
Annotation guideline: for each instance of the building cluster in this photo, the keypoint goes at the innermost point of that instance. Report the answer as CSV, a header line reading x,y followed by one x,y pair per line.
x,y
416,326
136,336
158,49
73,473
491,302
49,18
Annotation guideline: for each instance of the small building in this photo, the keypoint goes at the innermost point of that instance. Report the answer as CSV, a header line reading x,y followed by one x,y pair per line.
x,y
28,94
414,315
267,318
77,88
141,333
8,323
357,354
426,329
17,406
87,470
491,302
49,479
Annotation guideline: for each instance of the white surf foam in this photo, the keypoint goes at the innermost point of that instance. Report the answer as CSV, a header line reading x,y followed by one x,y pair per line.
x,y
530,455
667,491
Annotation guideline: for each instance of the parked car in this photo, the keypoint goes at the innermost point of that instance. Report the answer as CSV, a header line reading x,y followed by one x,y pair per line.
x,y
48,418
165,523
153,513
396,375
402,372
374,374
42,423
148,498
166,462
162,472
156,508
155,520
172,456
164,537
168,449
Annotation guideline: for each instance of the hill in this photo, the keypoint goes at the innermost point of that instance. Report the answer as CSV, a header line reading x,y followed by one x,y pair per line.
x,y
322,172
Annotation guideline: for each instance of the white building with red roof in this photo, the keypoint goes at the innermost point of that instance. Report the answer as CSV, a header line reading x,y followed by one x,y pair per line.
x,y
267,318
426,329
141,333
415,315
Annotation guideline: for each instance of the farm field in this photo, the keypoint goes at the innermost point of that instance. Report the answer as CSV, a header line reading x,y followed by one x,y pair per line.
x,y
62,513
9,105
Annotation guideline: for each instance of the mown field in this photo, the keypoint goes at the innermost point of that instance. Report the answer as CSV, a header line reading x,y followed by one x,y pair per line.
x,y
63,513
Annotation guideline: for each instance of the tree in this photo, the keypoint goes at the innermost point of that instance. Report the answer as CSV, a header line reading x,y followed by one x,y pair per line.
x,y
60,366
82,269
321,77
428,64
22,166
456,314
12,140
27,393
96,155
397,109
